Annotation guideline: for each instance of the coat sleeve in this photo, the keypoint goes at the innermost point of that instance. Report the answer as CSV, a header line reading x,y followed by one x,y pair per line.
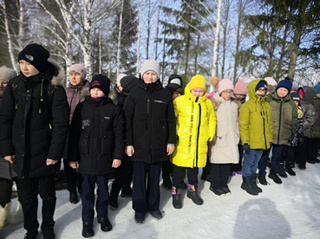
x,y
212,121
244,121
309,118
60,123
74,135
129,108
171,123
118,129
6,122
270,125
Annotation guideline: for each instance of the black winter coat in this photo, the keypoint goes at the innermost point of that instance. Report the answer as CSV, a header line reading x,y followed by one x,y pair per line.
x,y
150,122
34,123
96,136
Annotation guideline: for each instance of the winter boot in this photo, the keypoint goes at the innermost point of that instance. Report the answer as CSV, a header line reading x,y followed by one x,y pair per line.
x,y
275,178
193,194
87,230
282,172
5,214
247,186
289,170
73,197
254,183
176,197
126,191
113,202
105,224
262,179
17,217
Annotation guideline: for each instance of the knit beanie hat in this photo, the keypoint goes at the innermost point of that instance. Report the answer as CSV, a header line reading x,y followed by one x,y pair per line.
x,y
286,84
198,81
150,65
317,89
175,79
128,82
295,96
80,69
225,84
270,88
36,55
6,74
261,84
240,88
101,82
172,87
301,92
270,81
119,77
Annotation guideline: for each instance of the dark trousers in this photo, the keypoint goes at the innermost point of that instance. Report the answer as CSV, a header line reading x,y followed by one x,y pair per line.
x,y
123,177
312,149
5,191
276,158
288,156
179,173
28,190
74,179
167,168
300,154
238,167
146,190
263,162
219,175
88,185
206,170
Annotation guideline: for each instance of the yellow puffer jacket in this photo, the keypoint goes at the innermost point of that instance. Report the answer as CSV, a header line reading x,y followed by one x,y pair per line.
x,y
255,120
196,124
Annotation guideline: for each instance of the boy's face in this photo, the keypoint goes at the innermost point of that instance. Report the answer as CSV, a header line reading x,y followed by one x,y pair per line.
x,y
96,92
27,69
282,92
261,91
150,77
197,92
226,94
75,78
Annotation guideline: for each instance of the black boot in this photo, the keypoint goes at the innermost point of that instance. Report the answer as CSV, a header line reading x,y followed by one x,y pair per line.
x,y
73,198
193,194
289,170
247,186
105,224
254,183
176,197
275,178
31,235
126,191
282,172
262,179
49,234
113,202
87,230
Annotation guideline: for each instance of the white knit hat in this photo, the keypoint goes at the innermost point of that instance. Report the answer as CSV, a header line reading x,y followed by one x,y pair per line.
x,y
6,73
150,65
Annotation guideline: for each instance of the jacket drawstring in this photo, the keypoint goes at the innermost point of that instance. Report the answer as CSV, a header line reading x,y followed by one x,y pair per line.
x,y
41,95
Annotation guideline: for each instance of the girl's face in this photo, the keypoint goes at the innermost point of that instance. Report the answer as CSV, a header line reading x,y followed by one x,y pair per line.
x,y
150,77
240,97
27,69
197,92
96,92
75,78
226,94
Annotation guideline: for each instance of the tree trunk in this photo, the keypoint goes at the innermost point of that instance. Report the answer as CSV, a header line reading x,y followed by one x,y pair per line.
x,y
240,9
225,29
119,39
155,42
139,37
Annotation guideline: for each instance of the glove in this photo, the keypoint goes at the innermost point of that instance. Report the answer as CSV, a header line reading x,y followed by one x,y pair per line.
x,y
246,148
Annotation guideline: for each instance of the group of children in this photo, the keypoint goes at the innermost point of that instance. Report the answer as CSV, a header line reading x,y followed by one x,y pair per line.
x,y
146,129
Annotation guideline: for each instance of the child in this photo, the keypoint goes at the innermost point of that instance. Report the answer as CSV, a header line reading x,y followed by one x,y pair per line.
x,y
150,138
196,123
255,125
7,174
224,151
33,129
96,146
77,89
240,94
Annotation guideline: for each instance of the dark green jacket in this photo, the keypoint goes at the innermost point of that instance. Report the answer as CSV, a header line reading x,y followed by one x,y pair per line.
x,y
284,118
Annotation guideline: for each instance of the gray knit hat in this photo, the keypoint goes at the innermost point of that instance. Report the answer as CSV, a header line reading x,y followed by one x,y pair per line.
x,y
6,73
150,65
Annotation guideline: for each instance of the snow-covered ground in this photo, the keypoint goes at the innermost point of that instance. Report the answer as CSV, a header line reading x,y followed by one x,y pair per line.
x,y
289,210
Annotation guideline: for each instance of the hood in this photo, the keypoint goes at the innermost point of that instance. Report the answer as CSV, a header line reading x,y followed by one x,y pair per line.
x,y
192,97
56,71
309,94
252,90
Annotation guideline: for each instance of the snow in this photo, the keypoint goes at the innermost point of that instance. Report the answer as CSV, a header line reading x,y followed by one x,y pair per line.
x,y
289,210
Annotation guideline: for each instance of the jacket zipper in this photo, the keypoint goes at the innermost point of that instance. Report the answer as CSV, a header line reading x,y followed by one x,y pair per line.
x,y
280,121
197,149
264,131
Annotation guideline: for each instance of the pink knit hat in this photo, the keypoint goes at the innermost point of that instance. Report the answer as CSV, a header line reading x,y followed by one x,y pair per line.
x,y
225,84
79,68
271,81
240,88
